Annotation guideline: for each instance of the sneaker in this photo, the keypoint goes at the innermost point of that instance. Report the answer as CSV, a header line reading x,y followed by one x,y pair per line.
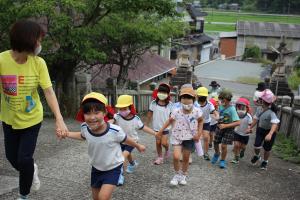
x,y
121,180
36,184
22,197
167,154
254,159
182,180
210,146
263,165
131,167
206,157
175,180
242,153
222,164
215,159
158,161
234,161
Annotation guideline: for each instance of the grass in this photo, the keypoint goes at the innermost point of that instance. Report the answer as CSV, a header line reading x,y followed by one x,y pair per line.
x,y
286,149
294,81
219,27
233,17
248,80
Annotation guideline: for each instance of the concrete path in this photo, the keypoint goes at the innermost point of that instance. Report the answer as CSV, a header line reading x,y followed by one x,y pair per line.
x,y
65,174
228,70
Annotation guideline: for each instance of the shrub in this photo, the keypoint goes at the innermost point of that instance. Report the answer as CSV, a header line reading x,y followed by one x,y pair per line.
x,y
294,79
286,148
252,52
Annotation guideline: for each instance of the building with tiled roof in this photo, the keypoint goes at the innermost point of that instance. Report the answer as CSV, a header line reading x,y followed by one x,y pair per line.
x,y
150,68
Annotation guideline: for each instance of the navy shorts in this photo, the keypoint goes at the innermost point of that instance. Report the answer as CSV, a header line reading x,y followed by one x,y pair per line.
x,y
188,145
260,139
126,147
206,126
240,138
213,128
111,177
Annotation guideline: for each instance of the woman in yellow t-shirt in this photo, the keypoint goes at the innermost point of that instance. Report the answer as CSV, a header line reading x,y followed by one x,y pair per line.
x,y
21,73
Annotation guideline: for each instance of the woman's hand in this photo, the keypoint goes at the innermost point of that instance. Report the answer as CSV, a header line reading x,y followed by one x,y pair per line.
x,y
61,128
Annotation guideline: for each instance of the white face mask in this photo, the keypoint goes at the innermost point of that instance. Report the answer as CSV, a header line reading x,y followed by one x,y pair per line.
x,y
187,107
162,96
241,113
38,50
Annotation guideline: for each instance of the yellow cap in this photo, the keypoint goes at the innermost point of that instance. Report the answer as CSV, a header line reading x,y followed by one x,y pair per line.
x,y
202,91
124,101
97,96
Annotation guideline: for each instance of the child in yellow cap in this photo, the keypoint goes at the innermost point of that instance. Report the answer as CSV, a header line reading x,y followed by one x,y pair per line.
x,y
207,109
128,120
104,148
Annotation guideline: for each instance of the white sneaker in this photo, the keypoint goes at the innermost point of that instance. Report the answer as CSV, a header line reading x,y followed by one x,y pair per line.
x,y
182,180
36,184
175,180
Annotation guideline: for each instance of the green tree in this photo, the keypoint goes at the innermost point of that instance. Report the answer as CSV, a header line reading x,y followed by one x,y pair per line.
x,y
135,35
75,30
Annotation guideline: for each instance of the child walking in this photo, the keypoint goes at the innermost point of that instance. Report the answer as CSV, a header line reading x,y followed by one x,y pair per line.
x,y
104,148
127,119
159,112
224,133
207,109
187,128
213,122
241,132
267,124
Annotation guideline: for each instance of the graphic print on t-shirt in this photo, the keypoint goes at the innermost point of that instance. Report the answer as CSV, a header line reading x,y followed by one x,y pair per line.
x,y
18,91
9,84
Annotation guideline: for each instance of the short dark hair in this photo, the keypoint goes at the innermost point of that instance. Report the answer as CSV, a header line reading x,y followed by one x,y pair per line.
x,y
24,35
163,88
92,105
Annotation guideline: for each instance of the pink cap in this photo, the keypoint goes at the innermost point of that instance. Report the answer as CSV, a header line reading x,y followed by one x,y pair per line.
x,y
267,95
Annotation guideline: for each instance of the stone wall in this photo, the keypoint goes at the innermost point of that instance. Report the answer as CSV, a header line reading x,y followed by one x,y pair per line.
x,y
289,113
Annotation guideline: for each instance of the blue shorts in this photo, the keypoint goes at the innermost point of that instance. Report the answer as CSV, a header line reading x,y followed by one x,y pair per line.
x,y
126,147
111,177
206,127
213,128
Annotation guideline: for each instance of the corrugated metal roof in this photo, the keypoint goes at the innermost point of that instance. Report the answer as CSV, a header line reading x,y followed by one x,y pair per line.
x,y
227,34
267,29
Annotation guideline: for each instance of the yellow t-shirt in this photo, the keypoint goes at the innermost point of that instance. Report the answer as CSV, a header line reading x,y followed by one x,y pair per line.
x,y
20,103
